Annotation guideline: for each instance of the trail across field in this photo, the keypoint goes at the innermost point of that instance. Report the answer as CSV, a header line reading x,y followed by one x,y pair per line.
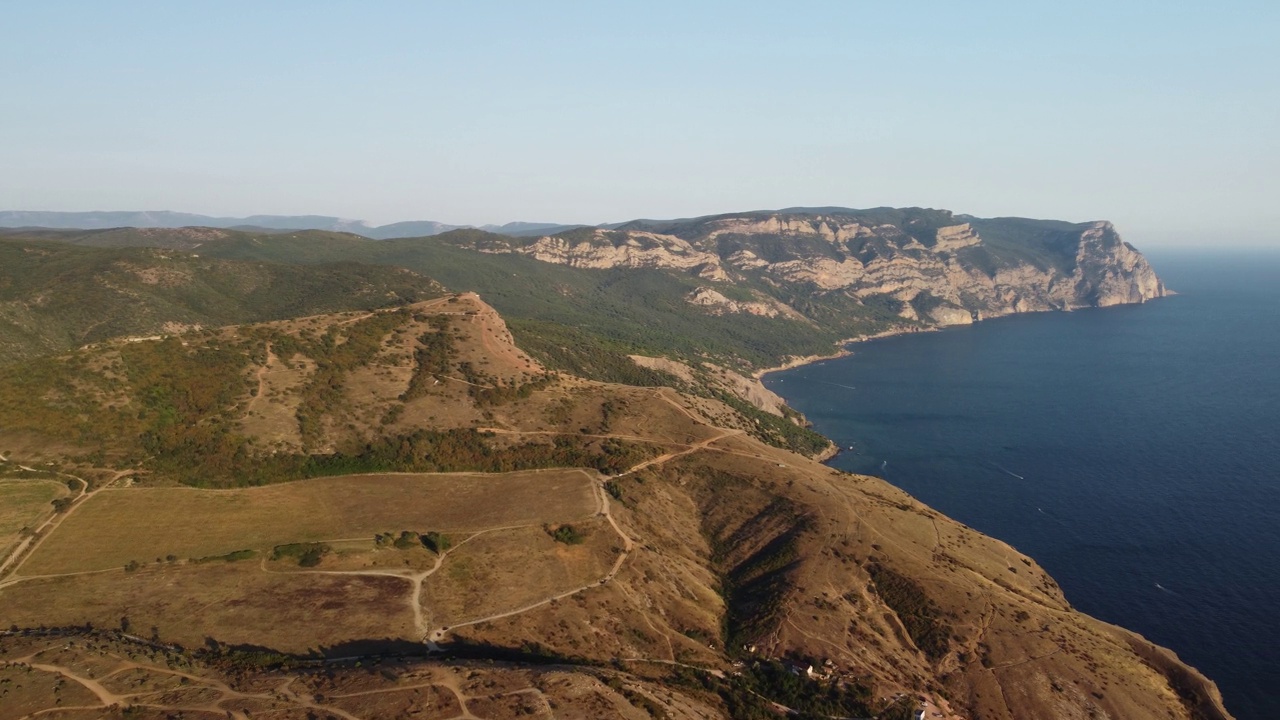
x,y
214,696
469,506
32,542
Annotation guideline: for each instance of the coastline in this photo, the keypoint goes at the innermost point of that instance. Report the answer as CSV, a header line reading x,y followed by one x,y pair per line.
x,y
1202,690
832,449
843,350
796,361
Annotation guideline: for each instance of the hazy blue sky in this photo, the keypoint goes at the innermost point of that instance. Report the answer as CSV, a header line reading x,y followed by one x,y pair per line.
x,y
1161,116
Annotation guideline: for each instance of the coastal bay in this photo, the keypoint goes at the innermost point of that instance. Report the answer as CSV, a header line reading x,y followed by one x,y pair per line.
x,y
1130,450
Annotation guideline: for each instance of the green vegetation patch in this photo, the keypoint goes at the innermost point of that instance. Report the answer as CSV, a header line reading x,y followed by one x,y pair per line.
x,y
586,321
437,543
185,394
432,359
567,534
755,585
306,554
94,294
233,556
920,615
336,353
407,540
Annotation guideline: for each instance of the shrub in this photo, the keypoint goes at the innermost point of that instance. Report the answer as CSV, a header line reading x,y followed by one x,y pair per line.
x,y
567,534
407,540
921,617
436,542
307,554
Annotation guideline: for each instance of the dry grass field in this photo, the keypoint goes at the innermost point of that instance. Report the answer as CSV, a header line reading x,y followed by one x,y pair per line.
x,y
236,603
25,692
270,414
118,526
524,562
25,503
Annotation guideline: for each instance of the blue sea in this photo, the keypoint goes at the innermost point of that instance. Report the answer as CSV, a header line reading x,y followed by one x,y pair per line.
x,y
1133,451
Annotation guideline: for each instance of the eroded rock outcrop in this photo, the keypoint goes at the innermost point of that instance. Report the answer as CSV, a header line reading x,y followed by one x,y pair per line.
x,y
933,267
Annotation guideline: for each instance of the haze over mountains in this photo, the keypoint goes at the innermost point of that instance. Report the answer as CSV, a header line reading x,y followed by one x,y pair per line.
x,y
168,219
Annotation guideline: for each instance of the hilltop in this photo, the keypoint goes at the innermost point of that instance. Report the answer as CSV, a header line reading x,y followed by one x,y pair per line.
x,y
408,479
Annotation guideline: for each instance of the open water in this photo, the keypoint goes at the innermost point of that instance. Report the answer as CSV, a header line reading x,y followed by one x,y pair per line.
x,y
1133,451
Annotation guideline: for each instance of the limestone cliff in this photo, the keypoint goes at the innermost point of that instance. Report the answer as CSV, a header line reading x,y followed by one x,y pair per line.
x,y
930,266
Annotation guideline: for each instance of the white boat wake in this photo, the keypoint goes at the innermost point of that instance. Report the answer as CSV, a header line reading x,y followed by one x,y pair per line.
x,y
1007,471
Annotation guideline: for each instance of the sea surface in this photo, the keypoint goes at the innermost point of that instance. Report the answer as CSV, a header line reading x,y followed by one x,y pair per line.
x,y
1133,451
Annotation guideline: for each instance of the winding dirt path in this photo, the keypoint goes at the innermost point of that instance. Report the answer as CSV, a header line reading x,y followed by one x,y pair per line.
x,y
437,635
261,375
13,563
105,696
282,693
433,636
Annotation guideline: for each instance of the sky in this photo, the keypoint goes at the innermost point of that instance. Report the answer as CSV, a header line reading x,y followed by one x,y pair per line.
x,y
1163,117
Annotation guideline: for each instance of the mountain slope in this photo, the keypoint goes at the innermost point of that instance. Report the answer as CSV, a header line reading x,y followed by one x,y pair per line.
x,y
717,299
714,298
428,484
54,296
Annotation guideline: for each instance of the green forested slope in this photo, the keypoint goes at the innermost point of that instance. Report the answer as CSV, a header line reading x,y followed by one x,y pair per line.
x,y
55,296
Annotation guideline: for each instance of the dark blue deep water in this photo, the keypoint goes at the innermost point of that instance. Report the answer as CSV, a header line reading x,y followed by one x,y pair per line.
x,y
1133,451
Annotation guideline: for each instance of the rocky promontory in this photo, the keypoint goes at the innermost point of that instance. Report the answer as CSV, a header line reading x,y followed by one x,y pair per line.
x,y
930,267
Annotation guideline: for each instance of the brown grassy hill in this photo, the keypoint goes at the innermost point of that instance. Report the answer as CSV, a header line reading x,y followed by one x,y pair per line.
x,y
410,481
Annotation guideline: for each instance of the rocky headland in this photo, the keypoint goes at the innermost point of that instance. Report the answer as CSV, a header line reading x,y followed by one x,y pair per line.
x,y
931,266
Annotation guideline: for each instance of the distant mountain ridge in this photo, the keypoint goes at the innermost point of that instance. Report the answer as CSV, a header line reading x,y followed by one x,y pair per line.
x,y
168,219
752,287
104,220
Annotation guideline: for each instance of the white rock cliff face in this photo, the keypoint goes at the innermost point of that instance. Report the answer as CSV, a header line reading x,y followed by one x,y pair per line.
x,y
641,250
1111,272
945,274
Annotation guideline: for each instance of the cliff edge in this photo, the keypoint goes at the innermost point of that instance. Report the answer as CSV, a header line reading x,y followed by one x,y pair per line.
x,y
929,267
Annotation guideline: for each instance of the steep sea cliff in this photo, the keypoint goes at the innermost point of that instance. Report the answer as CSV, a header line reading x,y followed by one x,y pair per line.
x,y
930,266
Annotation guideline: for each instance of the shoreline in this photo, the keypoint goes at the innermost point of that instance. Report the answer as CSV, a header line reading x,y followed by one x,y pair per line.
x,y
796,361
1202,672
842,350
833,448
